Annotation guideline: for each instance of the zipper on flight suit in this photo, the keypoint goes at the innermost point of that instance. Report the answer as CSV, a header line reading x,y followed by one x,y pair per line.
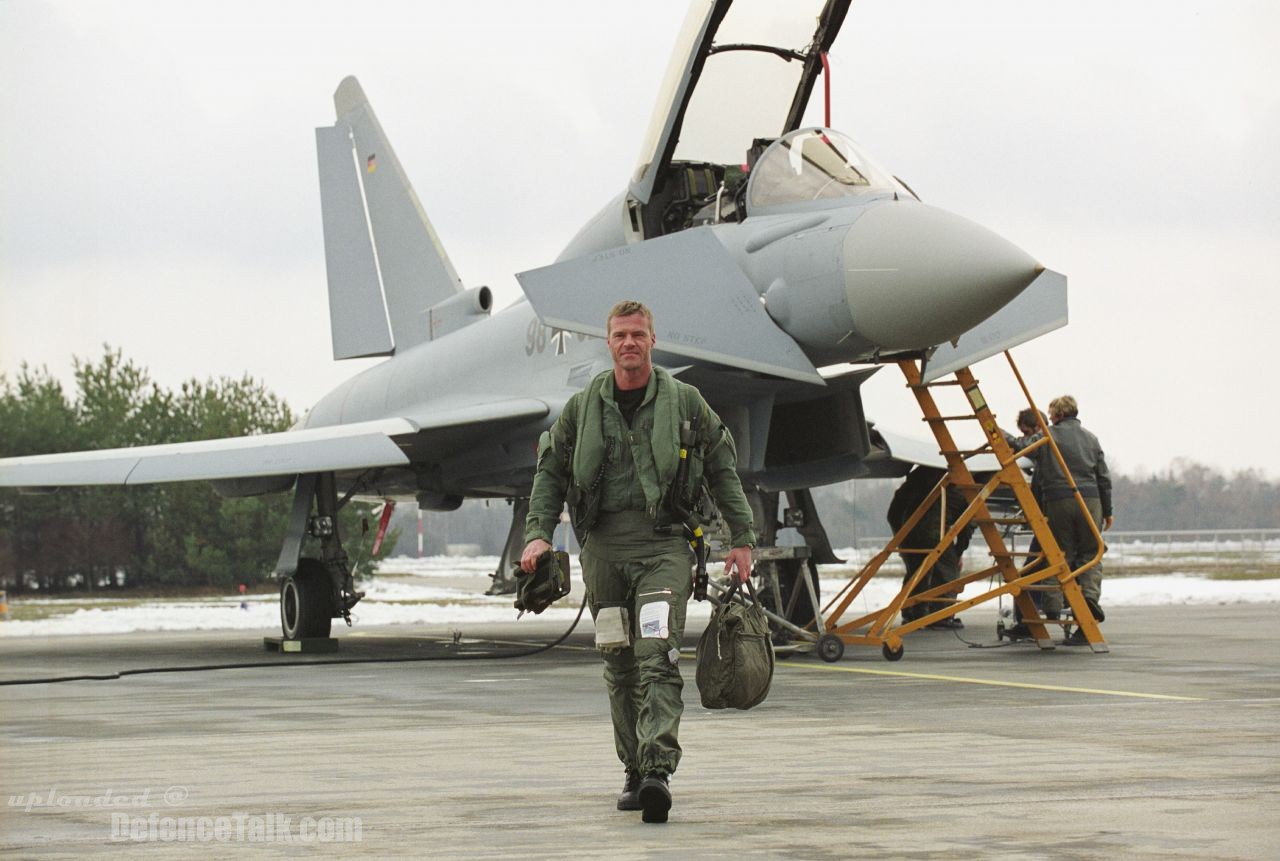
x,y
659,592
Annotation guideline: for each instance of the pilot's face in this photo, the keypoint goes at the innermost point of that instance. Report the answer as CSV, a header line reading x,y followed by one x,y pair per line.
x,y
631,342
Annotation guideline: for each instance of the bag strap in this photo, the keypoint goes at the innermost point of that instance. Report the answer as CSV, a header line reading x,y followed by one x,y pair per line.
x,y
728,595
726,599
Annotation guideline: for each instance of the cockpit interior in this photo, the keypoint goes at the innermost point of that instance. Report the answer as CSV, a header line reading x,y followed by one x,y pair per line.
x,y
776,174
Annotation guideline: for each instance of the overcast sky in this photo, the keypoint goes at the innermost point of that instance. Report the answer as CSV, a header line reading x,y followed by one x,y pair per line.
x,y
158,182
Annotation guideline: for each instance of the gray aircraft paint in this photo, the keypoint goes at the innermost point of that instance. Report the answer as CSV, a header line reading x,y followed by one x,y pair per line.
x,y
1036,311
343,447
357,314
415,270
703,304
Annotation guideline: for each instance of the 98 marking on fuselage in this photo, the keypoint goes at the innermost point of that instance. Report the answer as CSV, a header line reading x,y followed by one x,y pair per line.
x,y
537,336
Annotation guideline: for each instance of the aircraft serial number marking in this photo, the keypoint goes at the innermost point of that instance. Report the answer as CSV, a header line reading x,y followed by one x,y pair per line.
x,y
537,337
682,338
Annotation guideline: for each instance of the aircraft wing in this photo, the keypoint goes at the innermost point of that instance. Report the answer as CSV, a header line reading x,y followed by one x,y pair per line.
x,y
704,306
894,454
354,446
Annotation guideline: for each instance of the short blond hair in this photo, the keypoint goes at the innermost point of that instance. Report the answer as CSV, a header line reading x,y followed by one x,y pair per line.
x,y
1064,407
626,308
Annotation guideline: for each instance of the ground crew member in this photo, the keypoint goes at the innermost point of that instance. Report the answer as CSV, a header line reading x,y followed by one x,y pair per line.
x,y
1088,467
926,534
613,455
1029,426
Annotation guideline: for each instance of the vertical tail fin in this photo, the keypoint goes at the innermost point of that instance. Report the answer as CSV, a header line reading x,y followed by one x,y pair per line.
x,y
405,263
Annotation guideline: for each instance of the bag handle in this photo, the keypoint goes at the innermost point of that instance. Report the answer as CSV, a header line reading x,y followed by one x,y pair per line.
x,y
728,595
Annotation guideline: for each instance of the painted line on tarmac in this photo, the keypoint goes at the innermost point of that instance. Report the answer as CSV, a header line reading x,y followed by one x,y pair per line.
x,y
993,682
467,641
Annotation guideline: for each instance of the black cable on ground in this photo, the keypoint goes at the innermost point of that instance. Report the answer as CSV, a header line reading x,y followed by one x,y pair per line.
x,y
324,662
972,645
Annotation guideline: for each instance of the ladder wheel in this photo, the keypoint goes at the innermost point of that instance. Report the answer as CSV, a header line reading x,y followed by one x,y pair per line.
x,y
891,654
830,648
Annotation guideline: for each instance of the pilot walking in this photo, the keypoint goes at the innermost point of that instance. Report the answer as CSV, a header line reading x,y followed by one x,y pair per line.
x,y
1088,467
613,455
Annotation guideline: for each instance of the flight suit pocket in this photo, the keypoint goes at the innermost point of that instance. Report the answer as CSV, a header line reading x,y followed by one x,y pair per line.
x,y
613,626
654,614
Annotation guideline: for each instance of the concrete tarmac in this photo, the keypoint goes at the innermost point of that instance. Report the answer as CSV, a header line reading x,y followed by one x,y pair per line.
x,y
1167,747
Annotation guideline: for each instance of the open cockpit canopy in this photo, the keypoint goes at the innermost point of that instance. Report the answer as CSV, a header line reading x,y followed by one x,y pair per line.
x,y
813,164
741,75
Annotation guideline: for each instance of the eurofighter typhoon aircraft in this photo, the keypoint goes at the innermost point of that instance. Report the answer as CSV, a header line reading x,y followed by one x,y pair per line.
x,y
765,249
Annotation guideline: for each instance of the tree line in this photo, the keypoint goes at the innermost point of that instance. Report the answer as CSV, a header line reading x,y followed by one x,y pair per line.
x,y
1185,495
173,536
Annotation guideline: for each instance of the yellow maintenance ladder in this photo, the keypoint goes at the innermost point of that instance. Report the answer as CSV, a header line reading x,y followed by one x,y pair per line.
x,y
1021,572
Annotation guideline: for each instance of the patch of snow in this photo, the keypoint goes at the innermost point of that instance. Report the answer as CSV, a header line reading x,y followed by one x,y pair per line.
x,y
398,600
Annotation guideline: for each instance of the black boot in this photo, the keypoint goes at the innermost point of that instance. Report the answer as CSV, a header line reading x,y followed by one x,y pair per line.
x,y
1077,638
1019,631
1098,615
630,797
655,798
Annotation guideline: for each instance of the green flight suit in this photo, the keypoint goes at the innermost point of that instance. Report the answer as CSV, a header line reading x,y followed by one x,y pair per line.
x,y
616,477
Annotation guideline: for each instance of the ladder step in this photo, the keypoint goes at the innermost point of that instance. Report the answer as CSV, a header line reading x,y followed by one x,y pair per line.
x,y
1001,521
966,453
934,384
950,418
1010,554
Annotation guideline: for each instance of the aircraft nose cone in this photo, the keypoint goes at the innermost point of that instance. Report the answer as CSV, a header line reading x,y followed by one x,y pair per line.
x,y
916,276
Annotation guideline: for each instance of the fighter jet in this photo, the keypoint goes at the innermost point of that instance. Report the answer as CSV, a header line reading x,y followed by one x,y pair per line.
x,y
767,250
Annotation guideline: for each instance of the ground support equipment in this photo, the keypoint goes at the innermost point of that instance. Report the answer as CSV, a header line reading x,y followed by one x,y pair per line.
x,y
1019,572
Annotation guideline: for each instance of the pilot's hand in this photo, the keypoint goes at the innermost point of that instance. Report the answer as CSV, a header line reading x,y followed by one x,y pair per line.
x,y
739,562
1108,522
532,550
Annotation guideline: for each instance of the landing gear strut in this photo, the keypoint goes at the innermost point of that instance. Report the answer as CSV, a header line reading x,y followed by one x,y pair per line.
x,y
504,578
313,592
791,598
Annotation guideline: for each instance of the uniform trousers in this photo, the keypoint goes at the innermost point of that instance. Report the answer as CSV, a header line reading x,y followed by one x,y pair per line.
x,y
1072,532
625,563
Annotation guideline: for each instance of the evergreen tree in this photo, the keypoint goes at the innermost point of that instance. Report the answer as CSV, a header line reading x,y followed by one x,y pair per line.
x,y
167,536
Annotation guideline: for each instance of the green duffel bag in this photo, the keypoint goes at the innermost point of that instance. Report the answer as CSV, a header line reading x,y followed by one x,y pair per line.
x,y
735,655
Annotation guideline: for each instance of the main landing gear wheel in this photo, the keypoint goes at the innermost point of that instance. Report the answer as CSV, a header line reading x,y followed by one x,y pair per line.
x,y
830,648
891,654
305,609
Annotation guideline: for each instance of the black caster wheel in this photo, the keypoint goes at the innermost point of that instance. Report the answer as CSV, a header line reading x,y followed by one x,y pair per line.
x,y
891,654
830,648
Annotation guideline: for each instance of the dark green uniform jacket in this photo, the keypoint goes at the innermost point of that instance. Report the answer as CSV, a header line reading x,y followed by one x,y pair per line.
x,y
1083,455
592,458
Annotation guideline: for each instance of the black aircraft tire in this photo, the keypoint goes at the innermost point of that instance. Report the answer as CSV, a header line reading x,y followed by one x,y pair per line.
x,y
830,648
891,654
305,610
